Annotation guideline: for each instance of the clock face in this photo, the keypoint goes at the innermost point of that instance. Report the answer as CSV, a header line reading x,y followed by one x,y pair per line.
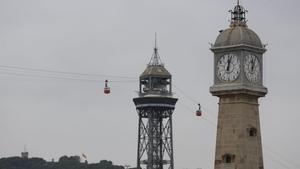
x,y
252,68
228,68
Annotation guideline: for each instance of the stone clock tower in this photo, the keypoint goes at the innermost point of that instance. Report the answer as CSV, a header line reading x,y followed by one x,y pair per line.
x,y
238,82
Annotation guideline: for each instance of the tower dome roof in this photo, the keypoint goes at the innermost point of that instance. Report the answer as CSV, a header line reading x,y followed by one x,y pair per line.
x,y
156,70
238,35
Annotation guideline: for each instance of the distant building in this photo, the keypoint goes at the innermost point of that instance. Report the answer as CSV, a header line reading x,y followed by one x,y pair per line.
x,y
24,154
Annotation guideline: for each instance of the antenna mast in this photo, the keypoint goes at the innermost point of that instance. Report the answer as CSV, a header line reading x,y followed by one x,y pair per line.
x,y
155,60
155,47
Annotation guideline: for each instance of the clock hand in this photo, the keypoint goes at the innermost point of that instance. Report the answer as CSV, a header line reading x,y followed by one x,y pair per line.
x,y
252,65
228,64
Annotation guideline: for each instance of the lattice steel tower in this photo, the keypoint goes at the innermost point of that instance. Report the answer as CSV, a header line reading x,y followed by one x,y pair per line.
x,y
155,106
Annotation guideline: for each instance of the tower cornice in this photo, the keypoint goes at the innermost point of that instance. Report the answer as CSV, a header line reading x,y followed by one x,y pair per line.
x,y
238,48
236,89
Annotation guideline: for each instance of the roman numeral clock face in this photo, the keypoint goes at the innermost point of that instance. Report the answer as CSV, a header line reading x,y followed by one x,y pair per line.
x,y
228,68
251,68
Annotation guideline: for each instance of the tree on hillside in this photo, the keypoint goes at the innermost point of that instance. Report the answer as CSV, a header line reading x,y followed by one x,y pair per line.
x,y
64,162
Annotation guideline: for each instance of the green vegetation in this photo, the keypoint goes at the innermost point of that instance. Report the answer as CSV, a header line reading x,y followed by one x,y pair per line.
x,y
64,162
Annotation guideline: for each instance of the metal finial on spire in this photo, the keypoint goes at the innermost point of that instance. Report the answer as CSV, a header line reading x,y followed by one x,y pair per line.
x,y
238,15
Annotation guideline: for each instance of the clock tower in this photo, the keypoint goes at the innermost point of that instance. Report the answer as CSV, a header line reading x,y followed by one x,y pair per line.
x,y
238,82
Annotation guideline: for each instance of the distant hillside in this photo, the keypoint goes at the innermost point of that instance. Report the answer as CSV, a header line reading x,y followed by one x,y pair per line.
x,y
64,162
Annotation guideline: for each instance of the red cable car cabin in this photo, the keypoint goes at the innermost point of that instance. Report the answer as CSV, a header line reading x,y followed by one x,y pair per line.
x,y
106,88
199,112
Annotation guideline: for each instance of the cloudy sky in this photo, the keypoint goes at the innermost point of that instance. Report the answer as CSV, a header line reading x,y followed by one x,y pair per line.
x,y
57,114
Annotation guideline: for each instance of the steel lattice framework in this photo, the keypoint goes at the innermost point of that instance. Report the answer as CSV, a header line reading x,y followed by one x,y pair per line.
x,y
155,138
155,106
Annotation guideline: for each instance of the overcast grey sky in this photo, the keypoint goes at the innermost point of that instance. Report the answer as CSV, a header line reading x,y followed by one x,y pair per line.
x,y
56,117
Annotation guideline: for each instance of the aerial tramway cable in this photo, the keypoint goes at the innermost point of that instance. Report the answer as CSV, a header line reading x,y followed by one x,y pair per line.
x,y
64,72
86,77
62,75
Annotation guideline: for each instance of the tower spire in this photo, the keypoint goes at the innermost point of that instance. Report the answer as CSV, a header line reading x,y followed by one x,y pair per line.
x,y
155,59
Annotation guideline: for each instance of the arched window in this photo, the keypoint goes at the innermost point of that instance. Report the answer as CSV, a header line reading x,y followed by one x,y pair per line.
x,y
228,158
252,132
